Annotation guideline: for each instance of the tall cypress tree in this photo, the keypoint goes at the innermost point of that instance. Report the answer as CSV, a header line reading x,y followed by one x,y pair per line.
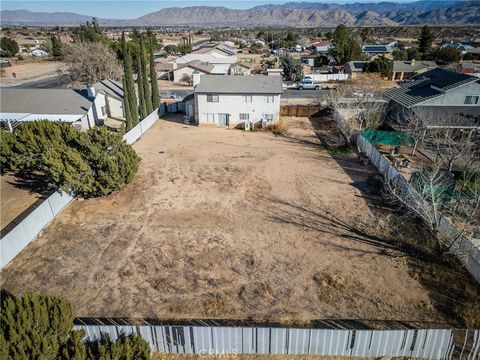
x,y
129,85
142,109
153,79
126,106
146,86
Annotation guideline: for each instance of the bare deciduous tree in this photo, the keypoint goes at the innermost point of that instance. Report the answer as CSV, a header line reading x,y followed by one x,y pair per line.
x,y
452,146
90,62
357,104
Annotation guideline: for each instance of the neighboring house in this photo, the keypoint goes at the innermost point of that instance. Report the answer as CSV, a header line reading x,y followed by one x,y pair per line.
x,y
240,68
463,48
234,101
108,98
39,53
180,72
375,50
440,97
467,67
275,72
406,69
98,104
217,49
474,53
321,47
354,68
67,105
221,64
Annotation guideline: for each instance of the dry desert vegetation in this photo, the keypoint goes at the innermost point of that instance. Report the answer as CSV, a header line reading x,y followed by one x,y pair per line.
x,y
226,224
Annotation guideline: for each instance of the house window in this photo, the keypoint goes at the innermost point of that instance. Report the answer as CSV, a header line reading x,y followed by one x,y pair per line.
x,y
210,118
244,116
269,99
212,98
268,117
247,99
471,100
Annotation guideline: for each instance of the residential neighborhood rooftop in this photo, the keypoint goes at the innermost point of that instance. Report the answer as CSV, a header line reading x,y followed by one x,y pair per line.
x,y
110,87
428,85
231,84
43,101
412,66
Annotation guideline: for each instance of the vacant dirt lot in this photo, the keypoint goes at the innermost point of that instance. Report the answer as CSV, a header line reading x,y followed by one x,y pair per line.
x,y
229,224
31,70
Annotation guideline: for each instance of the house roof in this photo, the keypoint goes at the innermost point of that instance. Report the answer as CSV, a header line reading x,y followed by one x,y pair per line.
x,y
110,87
206,48
163,66
243,64
407,66
376,48
231,84
210,58
357,65
321,43
198,65
44,101
428,85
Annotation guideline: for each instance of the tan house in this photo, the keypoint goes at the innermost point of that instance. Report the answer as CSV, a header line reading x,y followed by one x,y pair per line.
x,y
240,68
405,69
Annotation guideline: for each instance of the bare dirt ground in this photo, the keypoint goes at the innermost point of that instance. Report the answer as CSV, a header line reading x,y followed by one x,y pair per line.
x,y
14,199
31,70
238,225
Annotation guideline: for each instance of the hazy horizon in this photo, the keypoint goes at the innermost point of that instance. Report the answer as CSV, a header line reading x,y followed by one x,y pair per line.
x,y
127,9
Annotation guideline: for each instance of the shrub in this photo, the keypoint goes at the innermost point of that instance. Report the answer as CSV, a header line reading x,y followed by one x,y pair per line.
x,y
278,128
9,45
91,163
38,326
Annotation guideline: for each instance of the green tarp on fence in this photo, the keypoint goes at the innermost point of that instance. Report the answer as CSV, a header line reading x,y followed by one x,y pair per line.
x,y
387,137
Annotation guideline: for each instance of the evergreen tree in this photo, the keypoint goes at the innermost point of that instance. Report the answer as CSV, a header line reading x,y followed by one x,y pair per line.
x,y
126,106
56,46
142,109
153,79
129,86
426,40
39,327
146,85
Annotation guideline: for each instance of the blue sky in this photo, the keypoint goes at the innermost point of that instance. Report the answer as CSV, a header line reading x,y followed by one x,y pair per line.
x,y
126,9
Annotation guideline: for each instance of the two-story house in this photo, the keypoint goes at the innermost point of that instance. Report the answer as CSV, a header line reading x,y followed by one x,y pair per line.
x,y
234,101
440,97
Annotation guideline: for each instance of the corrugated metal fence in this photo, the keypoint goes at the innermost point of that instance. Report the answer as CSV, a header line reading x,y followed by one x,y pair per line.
x,y
16,236
420,343
467,250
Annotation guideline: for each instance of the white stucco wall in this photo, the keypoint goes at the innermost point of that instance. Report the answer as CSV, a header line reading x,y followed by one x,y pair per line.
x,y
456,97
115,107
239,70
234,105
98,104
178,74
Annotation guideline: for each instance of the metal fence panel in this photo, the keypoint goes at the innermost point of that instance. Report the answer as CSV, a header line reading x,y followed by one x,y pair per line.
x,y
278,341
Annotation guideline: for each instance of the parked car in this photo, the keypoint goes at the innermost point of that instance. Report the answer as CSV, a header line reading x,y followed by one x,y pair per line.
x,y
308,84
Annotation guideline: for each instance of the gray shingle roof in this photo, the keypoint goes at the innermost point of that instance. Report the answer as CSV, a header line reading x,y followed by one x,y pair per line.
x,y
231,84
44,101
110,87
407,66
428,85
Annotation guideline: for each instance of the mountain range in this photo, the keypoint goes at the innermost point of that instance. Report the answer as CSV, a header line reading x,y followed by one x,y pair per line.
x,y
294,14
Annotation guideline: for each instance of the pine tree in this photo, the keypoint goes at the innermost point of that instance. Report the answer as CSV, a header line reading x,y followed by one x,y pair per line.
x,y
129,86
426,39
142,109
153,79
146,86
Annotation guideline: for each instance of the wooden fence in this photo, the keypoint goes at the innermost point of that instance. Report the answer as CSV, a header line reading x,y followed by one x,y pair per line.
x,y
299,110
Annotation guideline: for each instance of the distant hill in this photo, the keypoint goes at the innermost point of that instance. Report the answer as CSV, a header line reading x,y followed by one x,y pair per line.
x,y
305,14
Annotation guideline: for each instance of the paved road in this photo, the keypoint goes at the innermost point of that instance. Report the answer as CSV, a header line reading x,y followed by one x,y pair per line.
x,y
53,82
304,94
287,93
